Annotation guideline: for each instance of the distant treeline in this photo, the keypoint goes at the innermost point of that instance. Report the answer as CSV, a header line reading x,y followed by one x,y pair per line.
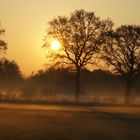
x,y
57,83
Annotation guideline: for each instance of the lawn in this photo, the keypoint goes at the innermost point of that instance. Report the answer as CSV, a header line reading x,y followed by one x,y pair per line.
x,y
53,122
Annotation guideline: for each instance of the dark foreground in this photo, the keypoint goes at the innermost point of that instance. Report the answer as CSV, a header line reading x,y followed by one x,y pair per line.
x,y
31,122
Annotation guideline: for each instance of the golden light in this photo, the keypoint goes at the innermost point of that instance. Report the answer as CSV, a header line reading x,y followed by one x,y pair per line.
x,y
55,45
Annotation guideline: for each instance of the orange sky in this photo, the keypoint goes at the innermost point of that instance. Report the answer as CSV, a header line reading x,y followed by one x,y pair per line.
x,y
25,23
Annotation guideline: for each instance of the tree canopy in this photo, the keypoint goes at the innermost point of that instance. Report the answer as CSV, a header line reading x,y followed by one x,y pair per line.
x,y
122,52
3,44
81,36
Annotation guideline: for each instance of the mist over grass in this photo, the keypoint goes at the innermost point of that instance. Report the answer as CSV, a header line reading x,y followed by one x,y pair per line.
x,y
58,85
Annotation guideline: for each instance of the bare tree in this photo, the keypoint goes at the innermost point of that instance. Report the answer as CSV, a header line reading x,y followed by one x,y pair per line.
x,y
3,45
122,52
81,36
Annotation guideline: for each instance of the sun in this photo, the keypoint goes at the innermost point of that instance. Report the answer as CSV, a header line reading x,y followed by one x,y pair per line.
x,y
55,45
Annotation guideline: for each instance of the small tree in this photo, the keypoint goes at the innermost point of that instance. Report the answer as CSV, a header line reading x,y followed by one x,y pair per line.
x,y
81,36
10,76
9,72
122,52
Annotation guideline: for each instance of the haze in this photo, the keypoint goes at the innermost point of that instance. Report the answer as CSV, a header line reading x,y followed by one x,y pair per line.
x,y
25,23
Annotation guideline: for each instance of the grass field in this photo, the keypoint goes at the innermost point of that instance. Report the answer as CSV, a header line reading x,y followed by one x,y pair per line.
x,y
51,122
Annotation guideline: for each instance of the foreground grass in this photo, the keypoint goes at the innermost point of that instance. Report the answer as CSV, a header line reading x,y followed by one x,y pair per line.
x,y
33,122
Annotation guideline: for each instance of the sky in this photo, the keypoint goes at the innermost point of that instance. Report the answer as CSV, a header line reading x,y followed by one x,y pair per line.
x,y
25,22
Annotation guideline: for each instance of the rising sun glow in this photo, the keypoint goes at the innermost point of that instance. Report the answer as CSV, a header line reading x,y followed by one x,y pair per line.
x,y
55,45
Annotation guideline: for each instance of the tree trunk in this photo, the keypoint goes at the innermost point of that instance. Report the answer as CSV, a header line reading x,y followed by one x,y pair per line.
x,y
77,85
128,92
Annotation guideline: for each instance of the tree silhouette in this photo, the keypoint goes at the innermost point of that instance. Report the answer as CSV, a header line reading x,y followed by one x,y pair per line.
x,y
9,72
122,52
81,36
3,45
10,78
